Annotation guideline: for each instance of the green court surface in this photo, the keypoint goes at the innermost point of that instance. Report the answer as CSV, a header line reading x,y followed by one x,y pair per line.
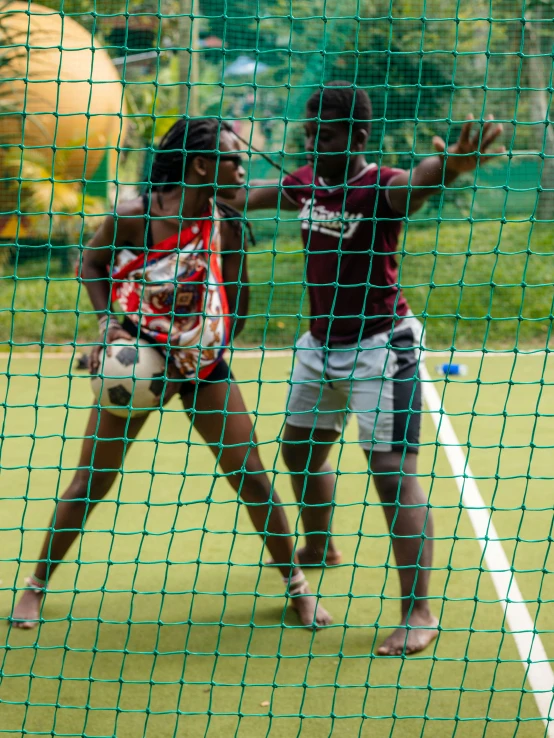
x,y
164,624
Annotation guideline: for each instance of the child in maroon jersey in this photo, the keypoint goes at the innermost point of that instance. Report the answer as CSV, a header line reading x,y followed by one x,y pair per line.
x,y
362,352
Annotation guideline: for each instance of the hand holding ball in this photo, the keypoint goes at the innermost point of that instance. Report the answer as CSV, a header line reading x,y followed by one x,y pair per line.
x,y
130,379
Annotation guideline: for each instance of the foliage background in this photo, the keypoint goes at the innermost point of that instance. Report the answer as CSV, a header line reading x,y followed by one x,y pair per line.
x,y
426,64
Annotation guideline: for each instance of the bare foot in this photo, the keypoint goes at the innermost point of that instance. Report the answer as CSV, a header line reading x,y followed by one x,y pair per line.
x,y
309,609
27,611
310,557
422,631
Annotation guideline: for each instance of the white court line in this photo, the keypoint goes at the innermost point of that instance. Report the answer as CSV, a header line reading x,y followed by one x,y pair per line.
x,y
529,645
238,353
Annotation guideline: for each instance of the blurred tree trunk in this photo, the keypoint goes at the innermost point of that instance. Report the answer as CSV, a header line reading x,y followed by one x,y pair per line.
x,y
538,47
188,41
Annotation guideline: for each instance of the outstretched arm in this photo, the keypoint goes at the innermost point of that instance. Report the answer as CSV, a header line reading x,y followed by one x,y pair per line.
x,y
259,194
408,191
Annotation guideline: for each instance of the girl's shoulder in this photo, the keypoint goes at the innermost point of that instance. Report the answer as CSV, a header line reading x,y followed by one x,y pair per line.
x,y
129,222
131,210
234,228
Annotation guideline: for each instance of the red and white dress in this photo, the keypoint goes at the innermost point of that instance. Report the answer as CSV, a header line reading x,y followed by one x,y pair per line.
x,y
175,296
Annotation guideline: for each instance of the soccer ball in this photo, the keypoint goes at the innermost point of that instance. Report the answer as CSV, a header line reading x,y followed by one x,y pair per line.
x,y
131,380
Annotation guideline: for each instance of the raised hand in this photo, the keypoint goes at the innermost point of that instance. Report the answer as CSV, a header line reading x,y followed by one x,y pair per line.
x,y
472,146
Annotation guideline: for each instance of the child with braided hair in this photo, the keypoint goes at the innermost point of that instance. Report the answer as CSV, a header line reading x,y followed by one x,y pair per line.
x,y
193,160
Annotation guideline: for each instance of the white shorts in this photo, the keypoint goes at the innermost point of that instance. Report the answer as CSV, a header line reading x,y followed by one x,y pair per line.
x,y
376,379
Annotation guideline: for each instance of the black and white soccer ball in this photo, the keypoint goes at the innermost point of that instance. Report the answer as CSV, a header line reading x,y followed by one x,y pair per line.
x,y
130,381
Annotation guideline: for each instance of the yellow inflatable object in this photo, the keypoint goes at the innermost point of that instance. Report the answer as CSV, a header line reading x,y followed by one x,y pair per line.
x,y
63,93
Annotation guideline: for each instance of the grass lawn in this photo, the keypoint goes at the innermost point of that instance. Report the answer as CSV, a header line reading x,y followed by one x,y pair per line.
x,y
482,284
163,607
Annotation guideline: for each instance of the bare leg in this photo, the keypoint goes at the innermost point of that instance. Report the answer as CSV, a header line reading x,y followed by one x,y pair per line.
x,y
87,488
411,526
305,453
231,426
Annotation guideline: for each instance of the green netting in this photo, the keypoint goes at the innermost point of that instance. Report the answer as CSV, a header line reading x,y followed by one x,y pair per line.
x,y
164,617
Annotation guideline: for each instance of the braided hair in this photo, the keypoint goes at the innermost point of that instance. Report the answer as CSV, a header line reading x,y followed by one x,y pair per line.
x,y
174,154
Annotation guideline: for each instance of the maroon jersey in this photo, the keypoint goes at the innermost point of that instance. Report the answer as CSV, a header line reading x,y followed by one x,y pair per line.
x,y
351,236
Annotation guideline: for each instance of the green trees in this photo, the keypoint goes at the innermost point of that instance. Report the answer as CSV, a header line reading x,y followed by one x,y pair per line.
x,y
425,63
